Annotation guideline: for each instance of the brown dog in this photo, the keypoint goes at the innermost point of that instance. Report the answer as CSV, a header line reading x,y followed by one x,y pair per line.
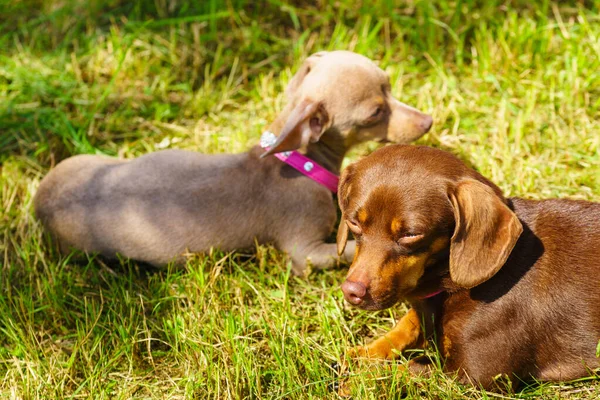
x,y
159,206
508,287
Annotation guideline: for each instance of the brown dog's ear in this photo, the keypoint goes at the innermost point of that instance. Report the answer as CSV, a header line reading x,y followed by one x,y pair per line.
x,y
342,237
305,123
343,189
298,78
485,234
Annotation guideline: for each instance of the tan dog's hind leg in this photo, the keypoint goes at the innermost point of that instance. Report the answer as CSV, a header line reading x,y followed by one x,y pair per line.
x,y
320,256
405,335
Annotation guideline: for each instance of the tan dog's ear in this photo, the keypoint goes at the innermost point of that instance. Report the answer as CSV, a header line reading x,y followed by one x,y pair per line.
x,y
305,123
485,234
298,78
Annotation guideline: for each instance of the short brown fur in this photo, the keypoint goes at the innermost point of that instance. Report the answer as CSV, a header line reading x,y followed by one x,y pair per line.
x,y
519,278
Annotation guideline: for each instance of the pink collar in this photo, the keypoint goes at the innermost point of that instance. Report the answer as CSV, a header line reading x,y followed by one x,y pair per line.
x,y
302,163
428,296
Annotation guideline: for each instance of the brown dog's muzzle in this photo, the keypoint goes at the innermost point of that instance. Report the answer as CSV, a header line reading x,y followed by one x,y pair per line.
x,y
361,288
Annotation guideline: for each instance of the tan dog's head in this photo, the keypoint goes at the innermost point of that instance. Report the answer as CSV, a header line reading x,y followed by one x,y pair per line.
x,y
417,214
346,94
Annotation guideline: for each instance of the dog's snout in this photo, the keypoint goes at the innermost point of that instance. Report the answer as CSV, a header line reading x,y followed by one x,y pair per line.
x,y
354,292
426,123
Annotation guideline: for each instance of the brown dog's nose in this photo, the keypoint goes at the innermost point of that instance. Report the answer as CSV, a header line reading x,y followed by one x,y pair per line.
x,y
354,292
426,123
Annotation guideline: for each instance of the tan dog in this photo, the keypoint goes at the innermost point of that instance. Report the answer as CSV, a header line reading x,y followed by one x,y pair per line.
x,y
159,206
506,287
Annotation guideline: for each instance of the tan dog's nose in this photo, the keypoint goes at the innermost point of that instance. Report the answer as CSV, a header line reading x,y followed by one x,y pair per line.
x,y
354,292
426,123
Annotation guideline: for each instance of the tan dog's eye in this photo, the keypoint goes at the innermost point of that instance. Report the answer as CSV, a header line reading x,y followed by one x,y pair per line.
x,y
375,116
408,239
354,227
377,113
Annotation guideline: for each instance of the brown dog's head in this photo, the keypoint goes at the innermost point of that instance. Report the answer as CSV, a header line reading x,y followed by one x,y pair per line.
x,y
418,213
348,95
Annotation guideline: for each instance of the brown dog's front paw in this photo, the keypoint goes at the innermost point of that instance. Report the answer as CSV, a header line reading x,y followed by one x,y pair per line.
x,y
356,352
381,349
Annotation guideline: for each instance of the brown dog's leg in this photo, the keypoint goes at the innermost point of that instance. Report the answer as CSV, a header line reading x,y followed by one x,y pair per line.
x,y
405,335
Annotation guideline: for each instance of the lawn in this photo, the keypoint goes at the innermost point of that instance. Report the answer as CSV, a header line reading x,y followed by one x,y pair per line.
x,y
514,89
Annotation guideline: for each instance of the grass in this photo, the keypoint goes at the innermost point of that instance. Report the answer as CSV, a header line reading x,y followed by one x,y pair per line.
x,y
514,88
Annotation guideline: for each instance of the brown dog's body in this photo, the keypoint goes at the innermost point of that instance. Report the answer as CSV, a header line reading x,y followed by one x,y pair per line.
x,y
159,206
520,279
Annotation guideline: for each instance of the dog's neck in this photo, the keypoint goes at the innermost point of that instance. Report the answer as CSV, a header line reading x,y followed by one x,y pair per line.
x,y
328,152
